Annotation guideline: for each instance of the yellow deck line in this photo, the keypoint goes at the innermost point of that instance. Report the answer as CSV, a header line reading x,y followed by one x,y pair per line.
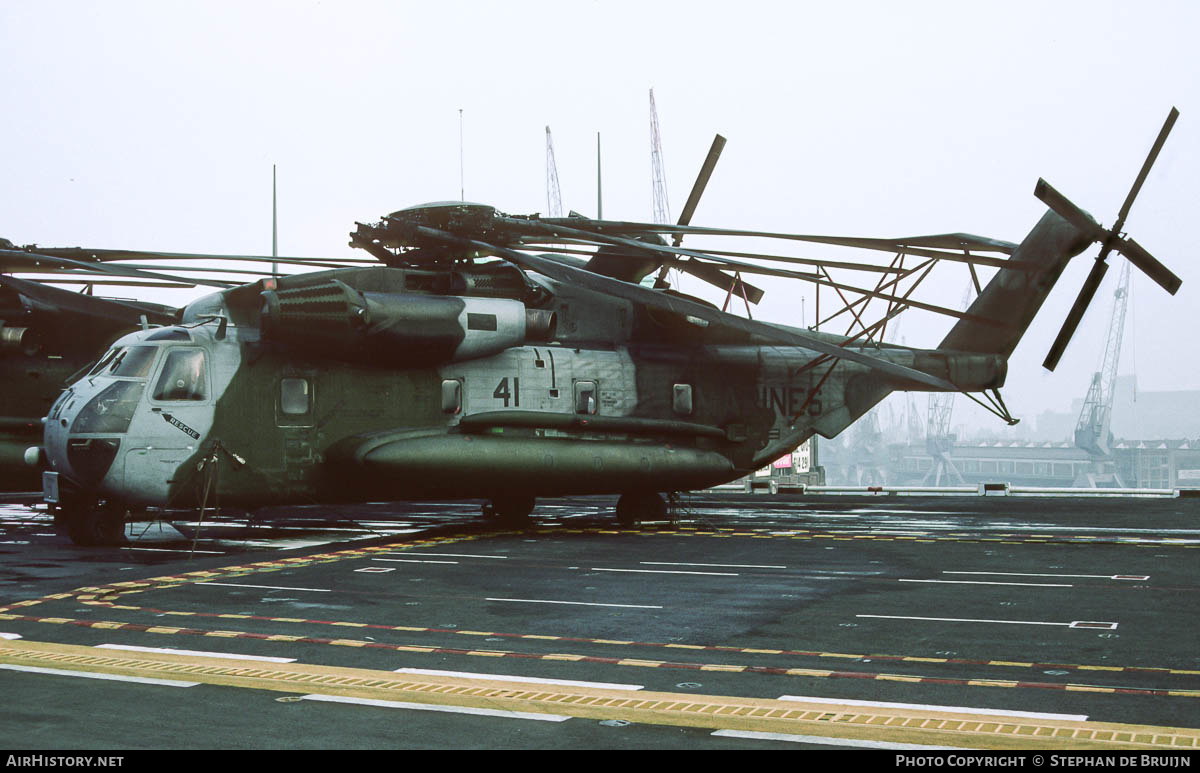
x,y
659,708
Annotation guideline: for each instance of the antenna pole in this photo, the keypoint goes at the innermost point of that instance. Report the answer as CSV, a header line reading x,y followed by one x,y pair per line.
x,y
462,191
274,225
599,198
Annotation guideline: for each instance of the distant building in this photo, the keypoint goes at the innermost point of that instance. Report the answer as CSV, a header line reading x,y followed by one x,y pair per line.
x,y
1021,463
1158,463
1155,464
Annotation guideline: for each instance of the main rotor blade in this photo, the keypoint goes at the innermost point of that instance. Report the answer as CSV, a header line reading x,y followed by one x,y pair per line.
x,y
124,312
955,241
684,307
1086,293
1149,265
706,170
100,268
710,274
1141,178
108,255
718,278
1068,211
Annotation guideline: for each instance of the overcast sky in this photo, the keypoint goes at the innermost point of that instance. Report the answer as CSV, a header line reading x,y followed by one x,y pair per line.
x,y
154,125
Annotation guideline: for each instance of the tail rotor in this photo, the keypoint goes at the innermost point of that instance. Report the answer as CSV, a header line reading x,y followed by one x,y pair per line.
x,y
1110,240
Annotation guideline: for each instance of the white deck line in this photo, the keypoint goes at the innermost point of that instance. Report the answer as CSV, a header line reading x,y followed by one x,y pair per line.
x,y
91,675
201,653
716,566
754,735
434,707
989,582
666,571
578,603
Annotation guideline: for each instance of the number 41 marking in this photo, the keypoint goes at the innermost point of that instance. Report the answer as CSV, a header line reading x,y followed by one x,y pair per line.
x,y
502,392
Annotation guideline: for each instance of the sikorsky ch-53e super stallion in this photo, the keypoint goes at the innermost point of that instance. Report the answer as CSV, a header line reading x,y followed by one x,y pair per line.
x,y
509,358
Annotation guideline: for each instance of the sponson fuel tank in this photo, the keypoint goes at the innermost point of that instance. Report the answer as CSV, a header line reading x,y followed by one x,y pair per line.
x,y
399,463
399,328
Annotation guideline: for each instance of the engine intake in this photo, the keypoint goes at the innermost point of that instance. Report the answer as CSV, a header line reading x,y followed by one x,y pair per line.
x,y
411,328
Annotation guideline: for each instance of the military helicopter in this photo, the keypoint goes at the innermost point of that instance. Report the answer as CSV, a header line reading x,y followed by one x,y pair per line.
x,y
49,335
508,358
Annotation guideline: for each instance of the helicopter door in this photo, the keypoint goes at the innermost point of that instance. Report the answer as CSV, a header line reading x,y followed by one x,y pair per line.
x,y
180,415
294,415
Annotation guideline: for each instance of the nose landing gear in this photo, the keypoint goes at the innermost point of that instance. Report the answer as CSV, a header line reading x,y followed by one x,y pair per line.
x,y
92,522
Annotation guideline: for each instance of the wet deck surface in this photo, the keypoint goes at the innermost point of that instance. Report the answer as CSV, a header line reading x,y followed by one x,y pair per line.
x,y
1030,613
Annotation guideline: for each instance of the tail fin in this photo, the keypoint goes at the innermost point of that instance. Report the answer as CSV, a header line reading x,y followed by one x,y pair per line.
x,y
1014,295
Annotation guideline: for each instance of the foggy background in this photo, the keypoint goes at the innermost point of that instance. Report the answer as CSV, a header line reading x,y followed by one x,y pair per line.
x,y
154,125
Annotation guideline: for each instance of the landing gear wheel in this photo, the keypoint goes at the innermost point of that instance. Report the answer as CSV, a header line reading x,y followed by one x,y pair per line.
x,y
513,509
640,506
96,523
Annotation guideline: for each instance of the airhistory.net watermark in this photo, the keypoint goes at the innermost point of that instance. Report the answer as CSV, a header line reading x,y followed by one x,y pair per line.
x,y
60,761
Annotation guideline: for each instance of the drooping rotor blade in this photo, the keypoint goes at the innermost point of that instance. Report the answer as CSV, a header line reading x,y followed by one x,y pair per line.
x,y
109,255
952,241
710,274
1150,265
718,278
35,262
706,170
687,308
936,246
1150,159
1090,285
125,312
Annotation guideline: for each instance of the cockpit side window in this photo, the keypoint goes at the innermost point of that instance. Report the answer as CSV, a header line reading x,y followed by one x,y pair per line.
x,y
134,362
183,376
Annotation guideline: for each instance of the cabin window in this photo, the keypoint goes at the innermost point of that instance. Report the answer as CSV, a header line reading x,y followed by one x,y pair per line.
x,y
451,396
681,399
182,376
585,397
295,396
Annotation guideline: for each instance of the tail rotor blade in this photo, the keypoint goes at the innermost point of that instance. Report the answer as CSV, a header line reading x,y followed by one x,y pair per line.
x,y
1086,293
1150,159
1068,211
1149,265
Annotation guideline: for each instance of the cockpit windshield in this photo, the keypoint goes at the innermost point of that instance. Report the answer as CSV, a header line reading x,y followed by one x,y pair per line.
x,y
105,361
133,362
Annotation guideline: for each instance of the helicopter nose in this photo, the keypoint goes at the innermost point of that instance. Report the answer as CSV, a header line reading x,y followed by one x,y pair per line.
x,y
84,444
91,458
